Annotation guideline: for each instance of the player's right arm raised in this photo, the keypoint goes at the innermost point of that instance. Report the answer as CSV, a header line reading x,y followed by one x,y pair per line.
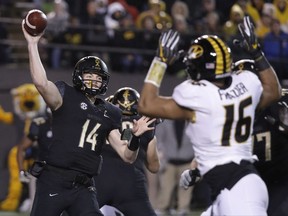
x,y
46,88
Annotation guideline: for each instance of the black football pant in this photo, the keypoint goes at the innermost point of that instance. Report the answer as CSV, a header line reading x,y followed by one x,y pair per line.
x,y
56,193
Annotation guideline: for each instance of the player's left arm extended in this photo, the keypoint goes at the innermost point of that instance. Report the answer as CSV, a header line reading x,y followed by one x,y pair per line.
x,y
121,147
128,150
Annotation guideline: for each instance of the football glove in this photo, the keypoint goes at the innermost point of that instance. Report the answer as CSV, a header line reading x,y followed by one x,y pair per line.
x,y
24,176
168,47
189,177
251,45
249,40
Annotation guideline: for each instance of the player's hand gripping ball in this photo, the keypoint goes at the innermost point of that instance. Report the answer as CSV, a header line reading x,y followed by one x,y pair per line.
x,y
35,22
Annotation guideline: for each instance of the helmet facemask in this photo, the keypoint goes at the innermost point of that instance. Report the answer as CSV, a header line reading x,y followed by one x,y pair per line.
x,y
91,86
92,65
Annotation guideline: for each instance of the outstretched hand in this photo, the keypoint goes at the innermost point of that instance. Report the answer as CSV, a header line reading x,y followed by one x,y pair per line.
x,y
141,125
249,40
168,47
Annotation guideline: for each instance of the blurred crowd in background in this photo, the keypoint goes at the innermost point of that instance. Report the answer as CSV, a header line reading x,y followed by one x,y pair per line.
x,y
125,32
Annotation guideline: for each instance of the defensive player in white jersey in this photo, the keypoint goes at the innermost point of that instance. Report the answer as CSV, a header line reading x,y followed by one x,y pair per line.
x,y
219,105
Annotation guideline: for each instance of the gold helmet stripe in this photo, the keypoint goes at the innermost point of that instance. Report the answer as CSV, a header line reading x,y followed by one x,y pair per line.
x,y
226,50
223,59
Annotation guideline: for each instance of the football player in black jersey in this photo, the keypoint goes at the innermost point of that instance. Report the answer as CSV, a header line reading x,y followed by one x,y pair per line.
x,y
122,185
270,133
40,131
271,147
82,122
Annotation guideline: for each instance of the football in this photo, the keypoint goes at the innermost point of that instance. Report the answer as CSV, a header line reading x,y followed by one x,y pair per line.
x,y
35,22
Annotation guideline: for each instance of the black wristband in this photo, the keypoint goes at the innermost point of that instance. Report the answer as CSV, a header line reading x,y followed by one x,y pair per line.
x,y
134,143
261,63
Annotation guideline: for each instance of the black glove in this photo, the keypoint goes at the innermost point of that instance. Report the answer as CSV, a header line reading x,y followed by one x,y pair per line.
x,y
168,47
189,177
195,174
251,45
250,41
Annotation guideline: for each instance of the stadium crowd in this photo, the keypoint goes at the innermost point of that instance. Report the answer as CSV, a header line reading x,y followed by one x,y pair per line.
x,y
125,32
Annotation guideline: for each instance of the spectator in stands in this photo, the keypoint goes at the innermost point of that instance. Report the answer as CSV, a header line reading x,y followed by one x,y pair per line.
x,y
206,7
254,10
58,20
115,13
149,35
101,6
181,8
244,6
263,27
74,36
157,9
223,9
93,24
275,47
127,37
182,26
259,9
281,13
203,17
212,24
131,9
230,27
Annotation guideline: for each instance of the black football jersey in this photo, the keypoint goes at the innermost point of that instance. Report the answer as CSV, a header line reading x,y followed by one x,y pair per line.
x,y
271,147
40,130
80,129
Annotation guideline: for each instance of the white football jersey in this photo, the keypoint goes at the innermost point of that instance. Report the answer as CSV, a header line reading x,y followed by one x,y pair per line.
x,y
224,118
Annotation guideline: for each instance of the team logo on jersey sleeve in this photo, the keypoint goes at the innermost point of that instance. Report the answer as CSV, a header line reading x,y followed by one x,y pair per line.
x,y
84,106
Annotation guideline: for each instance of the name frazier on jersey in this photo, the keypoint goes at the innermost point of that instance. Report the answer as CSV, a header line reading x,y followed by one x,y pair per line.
x,y
239,90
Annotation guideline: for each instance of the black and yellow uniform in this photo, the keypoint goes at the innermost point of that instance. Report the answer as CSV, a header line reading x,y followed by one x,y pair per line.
x,y
123,185
80,129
